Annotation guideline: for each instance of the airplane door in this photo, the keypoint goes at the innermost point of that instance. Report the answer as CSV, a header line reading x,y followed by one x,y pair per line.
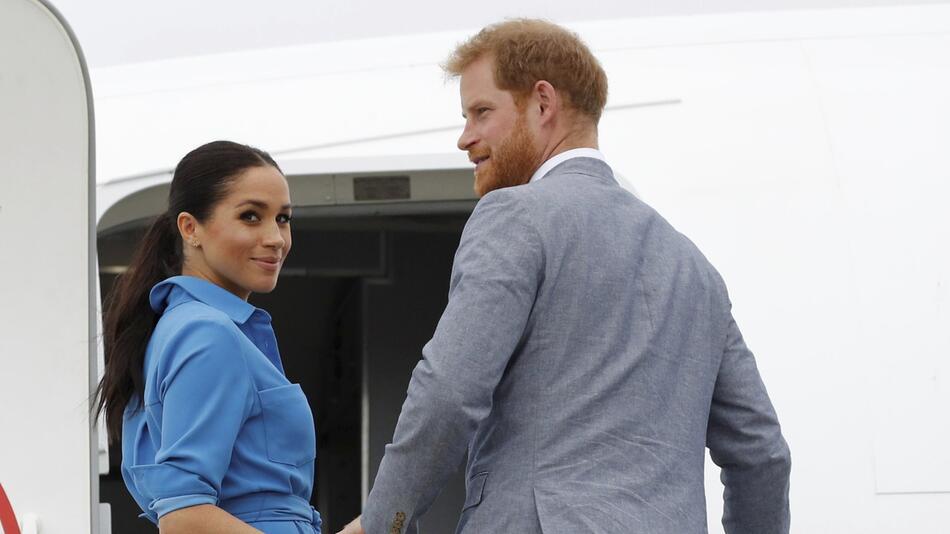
x,y
47,276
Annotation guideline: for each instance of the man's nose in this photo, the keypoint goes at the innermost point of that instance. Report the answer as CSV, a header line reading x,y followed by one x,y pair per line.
x,y
467,139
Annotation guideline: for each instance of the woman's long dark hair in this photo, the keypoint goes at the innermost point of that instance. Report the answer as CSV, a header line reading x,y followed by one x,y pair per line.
x,y
202,178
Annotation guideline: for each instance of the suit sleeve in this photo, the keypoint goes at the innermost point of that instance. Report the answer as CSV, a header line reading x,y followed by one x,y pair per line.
x,y
205,395
495,278
745,441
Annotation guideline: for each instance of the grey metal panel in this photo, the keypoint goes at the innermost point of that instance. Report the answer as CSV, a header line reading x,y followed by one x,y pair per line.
x,y
325,195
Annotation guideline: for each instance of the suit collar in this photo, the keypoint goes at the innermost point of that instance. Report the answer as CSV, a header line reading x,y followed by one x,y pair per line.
x,y
557,159
592,167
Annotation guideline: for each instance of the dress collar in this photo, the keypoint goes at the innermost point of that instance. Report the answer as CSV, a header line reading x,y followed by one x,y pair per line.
x,y
204,291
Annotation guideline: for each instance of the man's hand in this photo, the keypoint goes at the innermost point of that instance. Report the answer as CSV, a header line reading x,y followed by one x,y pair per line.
x,y
353,527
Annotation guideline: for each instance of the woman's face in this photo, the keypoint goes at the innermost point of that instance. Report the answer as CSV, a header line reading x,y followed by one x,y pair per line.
x,y
243,244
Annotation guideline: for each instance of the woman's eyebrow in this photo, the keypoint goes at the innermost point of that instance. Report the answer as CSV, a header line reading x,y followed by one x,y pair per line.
x,y
262,205
256,203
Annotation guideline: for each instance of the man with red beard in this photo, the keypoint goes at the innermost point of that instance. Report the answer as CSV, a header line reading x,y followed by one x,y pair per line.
x,y
587,355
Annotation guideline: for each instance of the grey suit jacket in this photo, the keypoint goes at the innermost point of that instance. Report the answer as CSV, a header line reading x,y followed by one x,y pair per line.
x,y
586,359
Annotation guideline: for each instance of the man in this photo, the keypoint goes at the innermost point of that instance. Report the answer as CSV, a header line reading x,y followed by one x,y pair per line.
x,y
587,355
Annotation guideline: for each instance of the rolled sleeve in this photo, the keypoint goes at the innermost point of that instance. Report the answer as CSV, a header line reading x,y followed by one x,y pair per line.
x,y
204,397
169,488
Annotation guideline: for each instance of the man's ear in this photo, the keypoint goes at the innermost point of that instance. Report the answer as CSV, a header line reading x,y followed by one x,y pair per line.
x,y
548,101
188,228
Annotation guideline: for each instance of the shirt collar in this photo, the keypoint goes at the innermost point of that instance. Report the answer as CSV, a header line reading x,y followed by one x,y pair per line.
x,y
557,159
204,291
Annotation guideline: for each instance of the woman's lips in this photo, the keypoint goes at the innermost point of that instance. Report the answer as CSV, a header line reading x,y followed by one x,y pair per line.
x,y
268,264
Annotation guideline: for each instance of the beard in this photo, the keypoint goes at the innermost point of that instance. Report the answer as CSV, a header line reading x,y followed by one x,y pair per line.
x,y
512,163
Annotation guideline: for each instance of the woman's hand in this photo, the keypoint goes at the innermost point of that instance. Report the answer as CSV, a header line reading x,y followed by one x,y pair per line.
x,y
203,519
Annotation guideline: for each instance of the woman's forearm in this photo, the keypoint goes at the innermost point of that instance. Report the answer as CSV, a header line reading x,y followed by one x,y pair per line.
x,y
203,519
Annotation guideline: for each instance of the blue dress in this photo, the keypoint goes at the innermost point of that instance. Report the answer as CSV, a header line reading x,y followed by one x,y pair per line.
x,y
221,424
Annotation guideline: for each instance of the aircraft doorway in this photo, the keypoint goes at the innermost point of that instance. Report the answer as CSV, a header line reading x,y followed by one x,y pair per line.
x,y
358,298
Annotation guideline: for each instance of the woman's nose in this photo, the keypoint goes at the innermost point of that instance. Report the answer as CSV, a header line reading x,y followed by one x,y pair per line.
x,y
274,237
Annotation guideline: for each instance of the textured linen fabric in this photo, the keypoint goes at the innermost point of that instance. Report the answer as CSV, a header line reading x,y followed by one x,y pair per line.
x,y
585,360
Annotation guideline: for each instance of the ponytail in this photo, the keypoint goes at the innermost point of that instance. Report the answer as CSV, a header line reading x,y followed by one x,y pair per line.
x,y
129,320
202,178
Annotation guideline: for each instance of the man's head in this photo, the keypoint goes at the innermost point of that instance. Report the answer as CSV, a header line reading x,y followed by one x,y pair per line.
x,y
530,89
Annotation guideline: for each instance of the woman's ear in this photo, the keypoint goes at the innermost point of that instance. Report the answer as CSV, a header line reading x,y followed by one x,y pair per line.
x,y
188,228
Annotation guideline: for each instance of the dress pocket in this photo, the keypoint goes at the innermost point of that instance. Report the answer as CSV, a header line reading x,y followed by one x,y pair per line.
x,y
288,425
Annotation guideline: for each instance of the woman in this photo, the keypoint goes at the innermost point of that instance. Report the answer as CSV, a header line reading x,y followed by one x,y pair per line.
x,y
214,436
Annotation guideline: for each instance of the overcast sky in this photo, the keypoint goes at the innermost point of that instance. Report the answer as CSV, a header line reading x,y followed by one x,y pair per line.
x,y
114,32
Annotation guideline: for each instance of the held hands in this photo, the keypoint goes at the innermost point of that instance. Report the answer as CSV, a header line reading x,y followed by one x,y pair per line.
x,y
353,527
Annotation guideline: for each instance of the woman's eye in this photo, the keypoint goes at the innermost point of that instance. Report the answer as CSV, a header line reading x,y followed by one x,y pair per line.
x,y
250,216
283,218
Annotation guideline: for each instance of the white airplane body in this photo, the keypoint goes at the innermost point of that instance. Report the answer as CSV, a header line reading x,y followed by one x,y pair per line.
x,y
805,152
